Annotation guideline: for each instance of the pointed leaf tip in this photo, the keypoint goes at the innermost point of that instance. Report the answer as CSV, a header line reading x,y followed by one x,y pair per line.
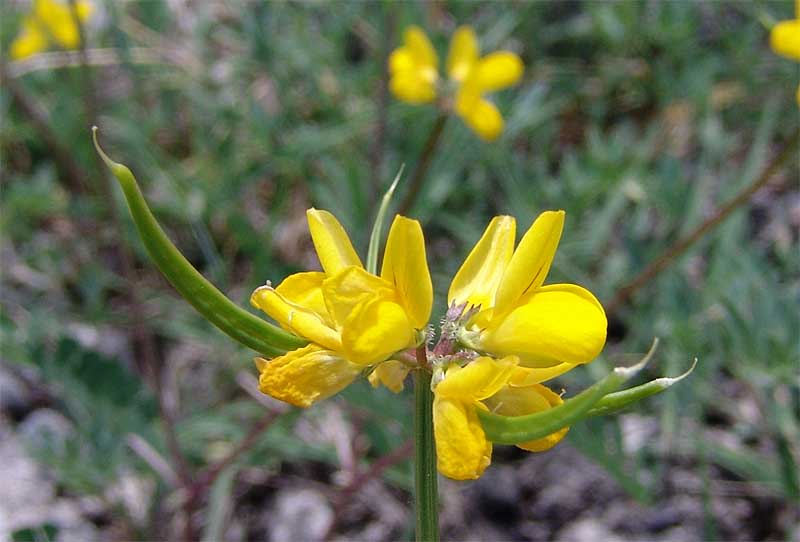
x,y
120,171
616,401
629,372
380,219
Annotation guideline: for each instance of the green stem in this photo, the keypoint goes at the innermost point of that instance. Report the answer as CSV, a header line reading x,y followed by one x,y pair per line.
x,y
425,481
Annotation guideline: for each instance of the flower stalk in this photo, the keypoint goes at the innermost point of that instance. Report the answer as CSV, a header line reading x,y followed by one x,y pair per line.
x,y
425,159
425,476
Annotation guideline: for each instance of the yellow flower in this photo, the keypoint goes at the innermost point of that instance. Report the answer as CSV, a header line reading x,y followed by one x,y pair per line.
x,y
49,22
549,327
462,450
352,319
785,38
414,68
414,77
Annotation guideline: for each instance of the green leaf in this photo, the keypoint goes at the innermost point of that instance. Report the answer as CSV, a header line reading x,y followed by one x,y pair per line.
x,y
516,429
220,504
41,533
620,399
233,320
377,228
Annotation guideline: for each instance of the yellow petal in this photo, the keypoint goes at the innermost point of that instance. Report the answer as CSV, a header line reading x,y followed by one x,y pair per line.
x,y
420,48
376,329
401,60
463,53
412,87
525,376
785,39
519,401
531,261
413,68
483,117
496,71
334,249
462,451
30,41
58,21
391,374
305,375
84,9
477,280
558,323
305,290
467,98
345,290
300,320
477,380
406,267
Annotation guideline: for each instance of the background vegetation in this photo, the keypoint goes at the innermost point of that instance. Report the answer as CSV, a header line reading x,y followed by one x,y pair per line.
x,y
638,118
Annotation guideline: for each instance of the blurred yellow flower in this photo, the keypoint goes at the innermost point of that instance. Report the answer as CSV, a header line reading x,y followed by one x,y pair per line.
x,y
414,68
49,22
462,450
551,327
415,77
785,38
353,319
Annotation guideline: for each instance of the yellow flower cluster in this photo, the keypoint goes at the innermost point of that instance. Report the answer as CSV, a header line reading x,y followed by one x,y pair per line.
x,y
785,38
353,319
517,332
538,332
49,22
414,70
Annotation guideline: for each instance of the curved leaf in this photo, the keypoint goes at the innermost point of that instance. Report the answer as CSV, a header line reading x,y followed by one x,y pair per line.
x,y
236,322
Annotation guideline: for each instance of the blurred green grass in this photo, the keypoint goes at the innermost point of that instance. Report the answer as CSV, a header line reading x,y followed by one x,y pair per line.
x,y
637,118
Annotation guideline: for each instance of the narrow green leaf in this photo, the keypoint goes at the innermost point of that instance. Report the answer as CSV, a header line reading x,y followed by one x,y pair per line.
x,y
377,227
620,399
220,504
237,323
516,429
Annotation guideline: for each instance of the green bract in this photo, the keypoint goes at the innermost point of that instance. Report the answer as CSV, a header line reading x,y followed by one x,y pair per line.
x,y
601,398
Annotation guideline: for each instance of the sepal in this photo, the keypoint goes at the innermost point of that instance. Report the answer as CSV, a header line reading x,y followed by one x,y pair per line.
x,y
518,429
618,400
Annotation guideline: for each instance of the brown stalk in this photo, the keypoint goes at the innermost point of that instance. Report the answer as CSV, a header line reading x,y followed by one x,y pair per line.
x,y
424,162
378,148
69,170
681,245
210,473
375,470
